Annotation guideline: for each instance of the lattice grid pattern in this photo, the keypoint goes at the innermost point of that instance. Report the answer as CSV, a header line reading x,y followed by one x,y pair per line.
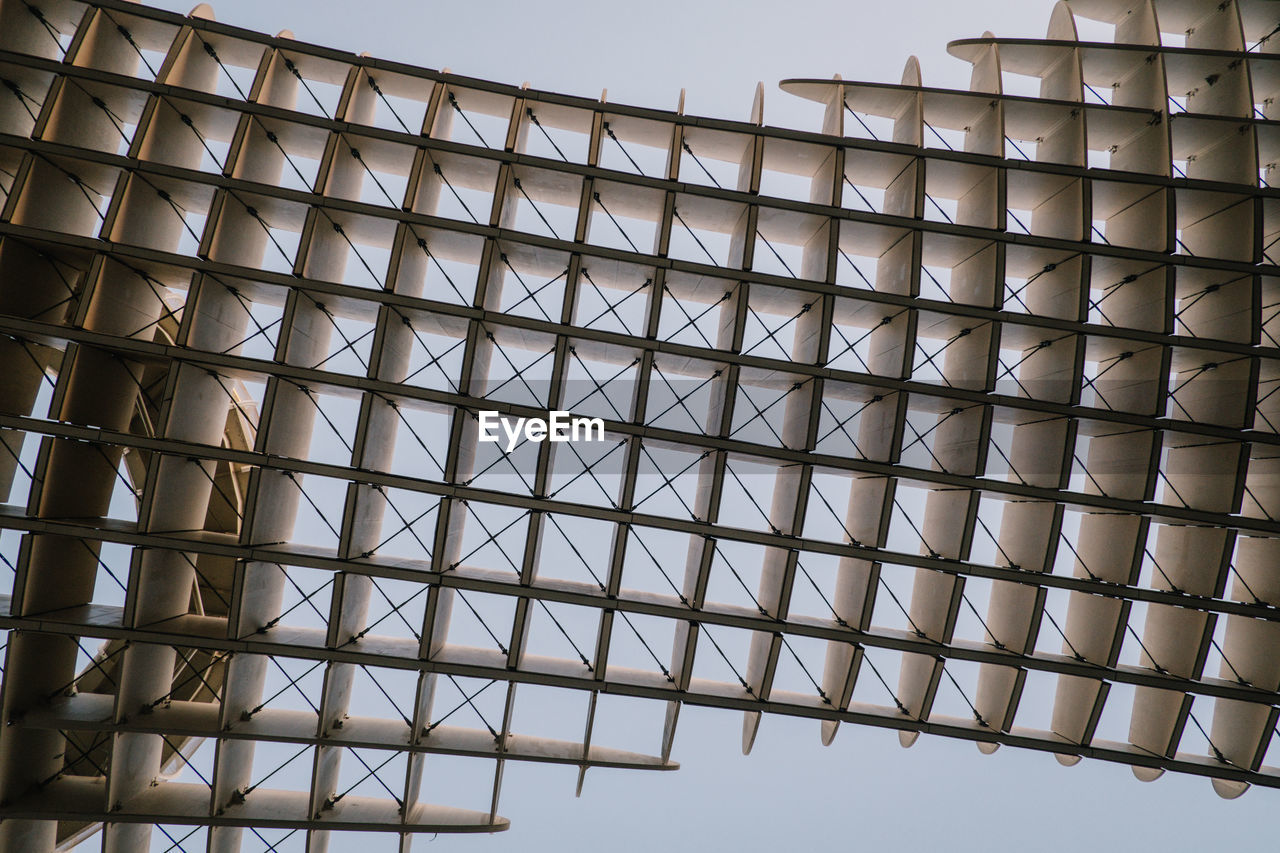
x,y
958,417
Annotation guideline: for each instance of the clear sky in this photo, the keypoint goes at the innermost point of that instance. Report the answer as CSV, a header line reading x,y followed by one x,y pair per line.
x,y
864,792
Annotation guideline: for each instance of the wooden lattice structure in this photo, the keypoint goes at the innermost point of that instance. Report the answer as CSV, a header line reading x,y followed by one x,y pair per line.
x,y
963,398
